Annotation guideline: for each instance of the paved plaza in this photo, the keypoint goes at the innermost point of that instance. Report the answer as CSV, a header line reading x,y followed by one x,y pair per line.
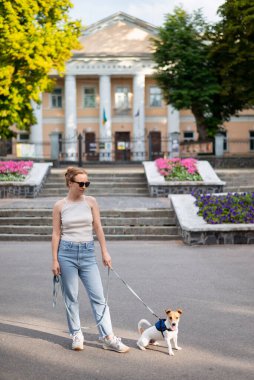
x,y
213,286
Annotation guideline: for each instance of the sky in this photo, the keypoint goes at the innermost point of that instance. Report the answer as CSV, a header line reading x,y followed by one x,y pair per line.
x,y
147,10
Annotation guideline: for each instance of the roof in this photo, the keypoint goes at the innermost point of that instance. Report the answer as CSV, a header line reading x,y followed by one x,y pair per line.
x,y
118,35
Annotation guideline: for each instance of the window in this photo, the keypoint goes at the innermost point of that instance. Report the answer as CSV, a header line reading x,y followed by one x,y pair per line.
x,y
89,97
23,136
155,97
56,98
251,140
188,136
122,99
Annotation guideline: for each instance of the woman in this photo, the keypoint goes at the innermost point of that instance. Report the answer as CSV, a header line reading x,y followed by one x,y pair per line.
x,y
74,219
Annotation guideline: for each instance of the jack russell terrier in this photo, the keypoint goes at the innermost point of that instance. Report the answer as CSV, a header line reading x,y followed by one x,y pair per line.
x,y
166,329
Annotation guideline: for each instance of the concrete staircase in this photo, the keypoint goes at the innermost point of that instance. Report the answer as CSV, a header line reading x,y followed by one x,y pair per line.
x,y
143,224
237,179
129,184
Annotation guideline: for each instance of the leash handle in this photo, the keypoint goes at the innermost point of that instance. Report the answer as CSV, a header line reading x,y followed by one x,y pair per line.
x,y
56,281
134,293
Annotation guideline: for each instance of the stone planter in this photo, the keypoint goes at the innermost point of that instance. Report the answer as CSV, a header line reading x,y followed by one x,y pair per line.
x,y
29,188
196,231
159,187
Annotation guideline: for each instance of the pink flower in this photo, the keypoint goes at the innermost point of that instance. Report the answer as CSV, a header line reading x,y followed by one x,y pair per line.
x,y
17,167
161,163
166,166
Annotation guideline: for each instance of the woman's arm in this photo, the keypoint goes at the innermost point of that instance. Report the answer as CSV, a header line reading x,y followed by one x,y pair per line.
x,y
56,234
99,232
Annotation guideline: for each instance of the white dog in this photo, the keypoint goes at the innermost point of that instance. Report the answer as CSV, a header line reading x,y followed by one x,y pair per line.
x,y
166,329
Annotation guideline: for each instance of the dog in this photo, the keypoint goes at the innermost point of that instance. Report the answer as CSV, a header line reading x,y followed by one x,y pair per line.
x,y
166,329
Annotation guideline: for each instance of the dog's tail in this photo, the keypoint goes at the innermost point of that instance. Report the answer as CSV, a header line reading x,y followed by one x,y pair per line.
x,y
143,325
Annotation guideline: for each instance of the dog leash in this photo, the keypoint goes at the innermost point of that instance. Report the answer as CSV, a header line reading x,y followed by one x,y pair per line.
x,y
134,293
57,280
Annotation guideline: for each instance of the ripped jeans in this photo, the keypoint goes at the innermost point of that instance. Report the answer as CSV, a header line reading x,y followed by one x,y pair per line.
x,y
77,260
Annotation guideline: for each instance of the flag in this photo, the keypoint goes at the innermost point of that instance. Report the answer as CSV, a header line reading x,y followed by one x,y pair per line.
x,y
137,113
104,118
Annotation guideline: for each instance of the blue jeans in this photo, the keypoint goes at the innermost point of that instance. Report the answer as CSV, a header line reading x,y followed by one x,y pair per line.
x,y
78,260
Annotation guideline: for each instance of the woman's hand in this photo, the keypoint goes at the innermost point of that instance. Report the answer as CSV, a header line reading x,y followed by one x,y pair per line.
x,y
56,268
106,259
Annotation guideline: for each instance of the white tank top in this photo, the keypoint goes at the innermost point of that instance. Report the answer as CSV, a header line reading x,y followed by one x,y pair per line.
x,y
76,221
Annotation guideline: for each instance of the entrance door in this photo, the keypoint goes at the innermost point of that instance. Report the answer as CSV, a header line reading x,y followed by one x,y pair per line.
x,y
154,145
122,146
90,147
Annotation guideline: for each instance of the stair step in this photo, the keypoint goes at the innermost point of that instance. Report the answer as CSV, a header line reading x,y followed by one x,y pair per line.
x,y
106,221
130,213
141,194
101,179
94,185
99,190
143,237
232,189
31,237
140,230
140,221
116,230
104,174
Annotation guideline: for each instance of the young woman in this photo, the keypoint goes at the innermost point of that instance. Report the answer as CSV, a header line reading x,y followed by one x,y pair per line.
x,y
74,219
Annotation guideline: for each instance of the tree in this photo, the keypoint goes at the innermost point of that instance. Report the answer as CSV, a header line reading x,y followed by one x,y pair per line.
x,y
187,77
232,51
36,37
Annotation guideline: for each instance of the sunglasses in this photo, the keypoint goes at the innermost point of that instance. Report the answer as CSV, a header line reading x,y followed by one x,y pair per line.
x,y
82,184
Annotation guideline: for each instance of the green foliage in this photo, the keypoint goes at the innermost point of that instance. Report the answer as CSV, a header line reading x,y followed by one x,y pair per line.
x,y
11,177
208,69
180,173
184,72
233,53
36,37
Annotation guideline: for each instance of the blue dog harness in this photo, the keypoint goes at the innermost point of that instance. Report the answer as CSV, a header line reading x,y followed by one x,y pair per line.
x,y
160,326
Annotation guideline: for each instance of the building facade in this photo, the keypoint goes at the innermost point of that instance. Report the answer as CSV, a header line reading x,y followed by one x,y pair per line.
x,y
110,98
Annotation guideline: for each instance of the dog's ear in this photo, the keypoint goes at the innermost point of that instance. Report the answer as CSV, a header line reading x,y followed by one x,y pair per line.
x,y
179,311
167,311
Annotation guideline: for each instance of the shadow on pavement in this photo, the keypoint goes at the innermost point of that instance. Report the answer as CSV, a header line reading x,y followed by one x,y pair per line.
x,y
91,340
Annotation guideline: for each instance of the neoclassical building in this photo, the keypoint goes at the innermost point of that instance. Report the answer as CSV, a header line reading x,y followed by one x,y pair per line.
x,y
110,98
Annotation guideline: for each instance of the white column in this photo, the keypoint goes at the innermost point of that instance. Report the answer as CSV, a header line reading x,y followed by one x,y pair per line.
x,y
138,117
173,128
105,111
70,118
36,132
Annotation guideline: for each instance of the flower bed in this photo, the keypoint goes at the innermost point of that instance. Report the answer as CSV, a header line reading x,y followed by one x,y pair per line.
x,y
230,208
24,180
177,169
160,187
14,170
196,231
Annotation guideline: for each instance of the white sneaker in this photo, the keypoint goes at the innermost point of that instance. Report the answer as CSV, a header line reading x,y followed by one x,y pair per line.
x,y
78,341
115,344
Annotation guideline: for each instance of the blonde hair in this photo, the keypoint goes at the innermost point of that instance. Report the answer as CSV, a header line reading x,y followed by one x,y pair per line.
x,y
72,172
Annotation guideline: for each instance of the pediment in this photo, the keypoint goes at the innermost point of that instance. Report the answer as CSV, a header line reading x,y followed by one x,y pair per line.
x,y
118,35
